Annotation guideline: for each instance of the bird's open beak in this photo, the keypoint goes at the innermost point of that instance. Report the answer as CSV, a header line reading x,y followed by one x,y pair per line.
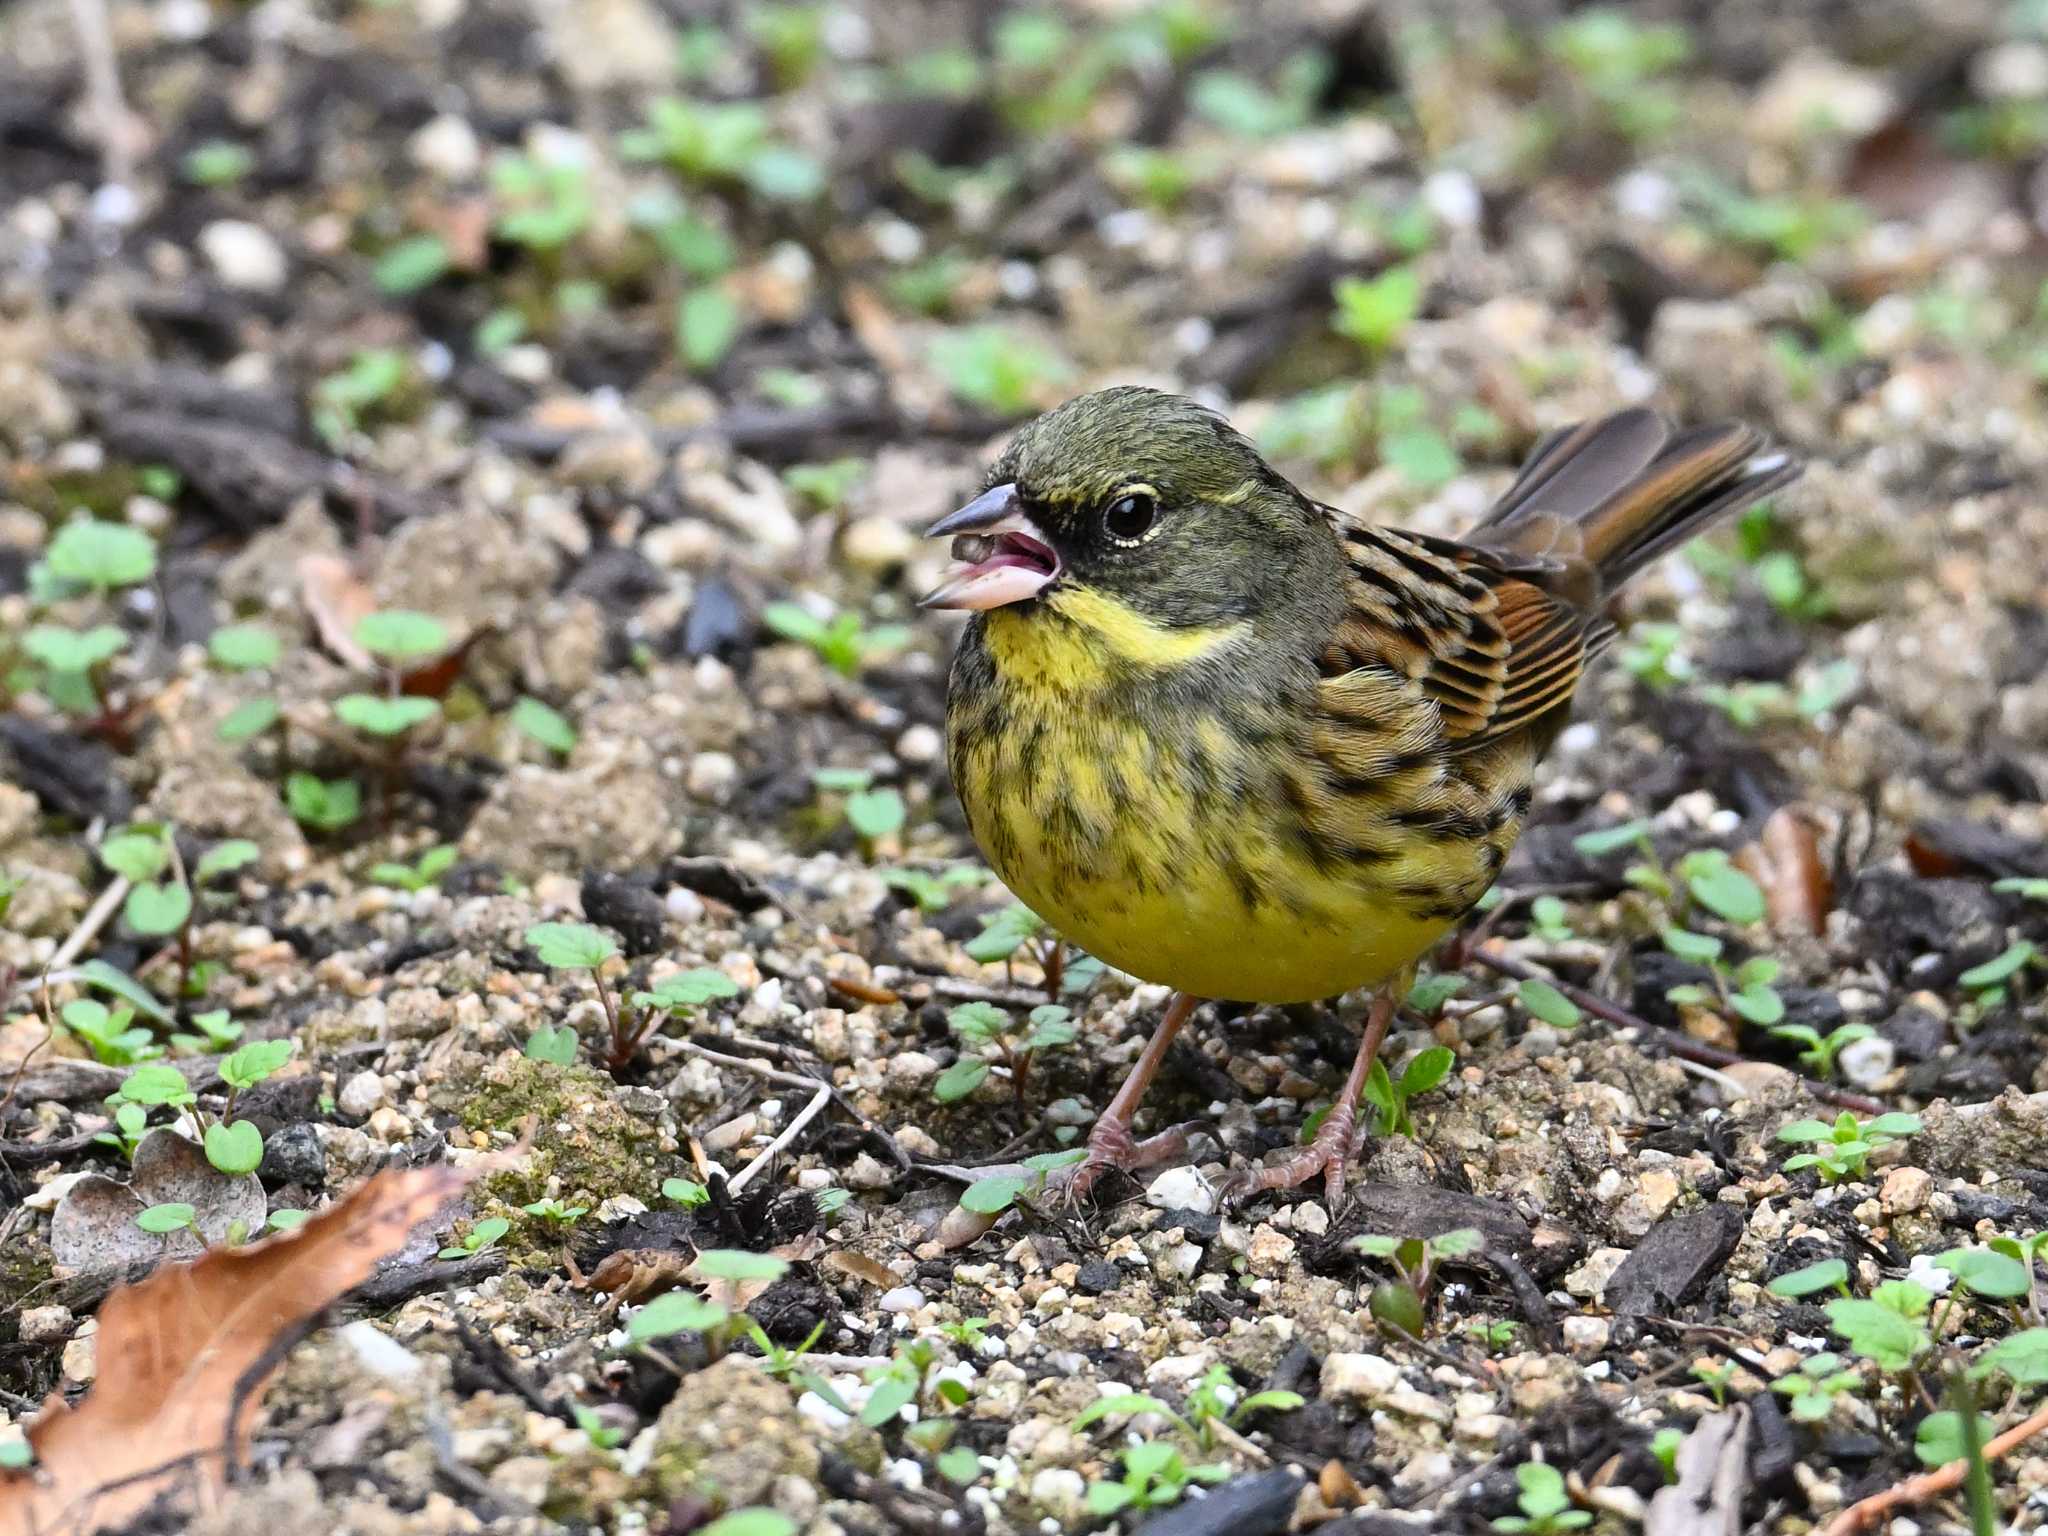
x,y
1008,557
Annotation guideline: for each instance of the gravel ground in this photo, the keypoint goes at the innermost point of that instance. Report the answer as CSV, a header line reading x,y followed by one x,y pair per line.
x,y
627,346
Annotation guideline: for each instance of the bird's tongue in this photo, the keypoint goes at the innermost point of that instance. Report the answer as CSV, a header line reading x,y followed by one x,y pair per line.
x,y
1005,570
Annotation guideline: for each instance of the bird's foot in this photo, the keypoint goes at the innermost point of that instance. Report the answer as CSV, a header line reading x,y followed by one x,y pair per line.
x,y
1111,1146
1329,1154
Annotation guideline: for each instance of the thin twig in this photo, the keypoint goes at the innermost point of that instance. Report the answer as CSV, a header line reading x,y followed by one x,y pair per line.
x,y
95,919
119,130
1669,1039
803,1118
1865,1513
797,1080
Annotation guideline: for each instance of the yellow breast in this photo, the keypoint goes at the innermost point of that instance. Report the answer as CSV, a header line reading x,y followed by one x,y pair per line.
x,y
1149,823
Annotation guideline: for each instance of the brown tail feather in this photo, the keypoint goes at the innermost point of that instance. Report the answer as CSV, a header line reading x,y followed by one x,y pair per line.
x,y
1616,493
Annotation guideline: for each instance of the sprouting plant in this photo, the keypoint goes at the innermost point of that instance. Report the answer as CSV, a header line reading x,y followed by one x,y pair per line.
x,y
224,858
908,1378
687,1193
216,1032
1653,654
1715,1378
344,401
1711,879
131,1124
159,902
1748,991
675,997
541,204
873,813
1546,1003
1216,1399
420,875
989,1037
1243,107
1889,1328
966,1334
825,487
1546,1507
217,163
1988,983
152,1085
1376,312
72,662
1003,933
998,369
1647,873
555,1044
478,1238
1818,1051
1156,1476
1813,1388
934,892
324,805
1390,1095
2030,887
724,144
112,1035
1397,1304
1841,1150
90,555
543,724
553,1213
843,643
236,1146
581,947
999,1191
1495,1333
1549,920
1431,991
1664,1447
1622,64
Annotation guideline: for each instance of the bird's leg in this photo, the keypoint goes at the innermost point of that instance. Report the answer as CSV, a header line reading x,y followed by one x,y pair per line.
x,y
1110,1144
1331,1152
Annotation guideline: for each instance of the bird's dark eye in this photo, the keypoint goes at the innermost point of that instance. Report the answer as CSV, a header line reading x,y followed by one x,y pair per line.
x,y
1130,517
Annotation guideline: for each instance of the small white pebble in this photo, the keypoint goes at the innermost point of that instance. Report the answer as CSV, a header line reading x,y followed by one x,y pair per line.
x,y
905,1298
1181,1189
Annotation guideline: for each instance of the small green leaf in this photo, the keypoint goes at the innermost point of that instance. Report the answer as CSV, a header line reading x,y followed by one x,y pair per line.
x,y
890,1396
959,1464
225,858
570,946
248,719
978,1022
1826,1275
1118,1403
2003,968
544,725
1939,1439
173,1216
375,715
1759,1005
750,1522
1722,889
411,265
985,1197
875,813
708,322
1606,840
738,1264
688,989
2021,1356
102,975
157,909
1986,1273
234,1149
1545,1002
254,1062
552,1043
1429,1068
138,855
90,553
399,635
674,1312
156,1083
685,1192
1429,994
960,1080
243,647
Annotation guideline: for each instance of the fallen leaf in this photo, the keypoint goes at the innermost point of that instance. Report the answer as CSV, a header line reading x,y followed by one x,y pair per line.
x,y
873,1271
631,1275
1338,1487
184,1358
94,1224
337,600
1785,862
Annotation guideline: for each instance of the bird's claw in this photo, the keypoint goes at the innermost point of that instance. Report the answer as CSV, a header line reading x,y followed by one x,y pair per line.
x,y
1112,1147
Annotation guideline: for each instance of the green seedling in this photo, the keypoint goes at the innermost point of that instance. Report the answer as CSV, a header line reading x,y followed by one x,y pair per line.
x,y
543,724
1713,881
224,858
1747,992
73,663
825,487
1841,1150
1622,64
1715,1378
287,1220
1390,1095
843,642
1988,983
422,874
872,813
346,401
1156,1476
1376,312
1890,1328
1546,1003
934,892
1654,655
323,805
757,1521
727,144
554,1214
212,1032
708,322
1494,1335
602,1436
1664,1447
384,718
217,163
159,902
989,1037
414,263
479,1237
1431,991
96,556
540,204
580,947
1549,920
248,720
555,1044
966,1334
131,1124
687,1193
112,1035
998,370
676,997
1398,1305
998,1192
1243,108
1545,1506
1812,1389
1817,1051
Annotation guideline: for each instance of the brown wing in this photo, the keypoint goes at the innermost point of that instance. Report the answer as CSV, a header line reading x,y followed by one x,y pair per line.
x,y
1456,625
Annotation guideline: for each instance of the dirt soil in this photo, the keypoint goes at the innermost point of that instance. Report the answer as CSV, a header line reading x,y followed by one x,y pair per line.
x,y
628,345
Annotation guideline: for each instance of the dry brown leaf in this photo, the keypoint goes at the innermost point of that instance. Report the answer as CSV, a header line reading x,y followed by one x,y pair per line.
x,y
873,1271
631,1275
184,1358
337,600
1785,861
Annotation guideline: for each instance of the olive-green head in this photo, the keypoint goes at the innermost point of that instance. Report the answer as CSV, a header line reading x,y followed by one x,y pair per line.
x,y
1148,497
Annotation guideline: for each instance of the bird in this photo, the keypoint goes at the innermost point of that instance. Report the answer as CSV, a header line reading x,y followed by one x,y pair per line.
x,y
1247,746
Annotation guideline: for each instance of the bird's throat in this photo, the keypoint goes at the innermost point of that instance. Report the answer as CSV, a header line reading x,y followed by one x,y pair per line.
x,y
1080,639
